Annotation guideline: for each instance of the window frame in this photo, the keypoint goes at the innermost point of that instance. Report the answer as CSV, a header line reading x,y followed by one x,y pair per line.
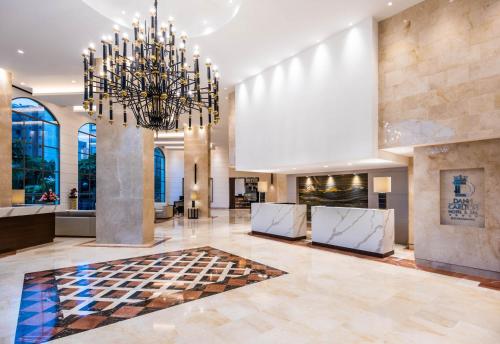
x,y
35,197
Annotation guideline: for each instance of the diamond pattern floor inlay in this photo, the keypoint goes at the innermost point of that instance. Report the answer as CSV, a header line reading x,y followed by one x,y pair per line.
x,y
62,302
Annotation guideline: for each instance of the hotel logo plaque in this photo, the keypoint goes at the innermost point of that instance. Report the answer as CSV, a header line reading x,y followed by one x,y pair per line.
x,y
462,197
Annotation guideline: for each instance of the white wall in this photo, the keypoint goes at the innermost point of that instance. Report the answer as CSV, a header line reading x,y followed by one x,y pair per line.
x,y
174,165
69,122
317,107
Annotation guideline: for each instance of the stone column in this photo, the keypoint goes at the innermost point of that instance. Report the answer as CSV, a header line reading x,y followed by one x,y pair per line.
x,y
197,151
125,184
5,138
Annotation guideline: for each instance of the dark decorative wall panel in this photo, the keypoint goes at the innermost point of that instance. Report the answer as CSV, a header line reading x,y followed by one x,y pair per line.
x,y
346,190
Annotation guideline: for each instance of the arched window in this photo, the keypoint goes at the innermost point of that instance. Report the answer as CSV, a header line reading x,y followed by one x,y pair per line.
x,y
159,175
35,149
86,166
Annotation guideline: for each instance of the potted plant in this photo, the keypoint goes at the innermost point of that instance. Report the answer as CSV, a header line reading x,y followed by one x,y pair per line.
x,y
49,197
73,199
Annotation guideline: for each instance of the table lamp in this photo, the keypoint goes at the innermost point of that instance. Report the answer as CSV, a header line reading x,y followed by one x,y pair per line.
x,y
382,186
194,198
18,197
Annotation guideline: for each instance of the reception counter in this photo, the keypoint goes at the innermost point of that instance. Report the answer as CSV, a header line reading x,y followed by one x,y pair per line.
x,y
26,226
284,220
366,231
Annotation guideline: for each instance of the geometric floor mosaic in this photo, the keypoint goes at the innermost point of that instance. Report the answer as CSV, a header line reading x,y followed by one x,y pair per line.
x,y
62,302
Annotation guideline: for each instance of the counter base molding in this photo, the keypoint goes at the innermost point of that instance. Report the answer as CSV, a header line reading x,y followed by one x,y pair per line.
x,y
366,253
280,219
277,236
366,231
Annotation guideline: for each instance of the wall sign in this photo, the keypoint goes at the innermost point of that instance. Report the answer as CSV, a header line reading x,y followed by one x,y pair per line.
x,y
462,197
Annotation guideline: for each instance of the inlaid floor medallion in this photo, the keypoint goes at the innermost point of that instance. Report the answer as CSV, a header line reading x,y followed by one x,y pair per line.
x,y
62,302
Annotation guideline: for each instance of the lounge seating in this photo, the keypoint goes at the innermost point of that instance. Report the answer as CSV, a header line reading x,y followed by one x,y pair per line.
x,y
76,223
163,211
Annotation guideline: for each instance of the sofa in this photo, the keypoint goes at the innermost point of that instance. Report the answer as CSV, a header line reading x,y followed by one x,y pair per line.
x,y
163,211
76,223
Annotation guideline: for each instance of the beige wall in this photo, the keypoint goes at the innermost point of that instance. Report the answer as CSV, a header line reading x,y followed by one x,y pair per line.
x,y
197,151
458,248
277,192
439,73
5,139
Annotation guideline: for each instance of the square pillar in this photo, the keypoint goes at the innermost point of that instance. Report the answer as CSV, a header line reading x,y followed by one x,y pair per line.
x,y
125,185
6,138
197,152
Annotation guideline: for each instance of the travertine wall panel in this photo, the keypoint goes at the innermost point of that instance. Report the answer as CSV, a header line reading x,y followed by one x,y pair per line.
x,y
439,73
5,139
451,247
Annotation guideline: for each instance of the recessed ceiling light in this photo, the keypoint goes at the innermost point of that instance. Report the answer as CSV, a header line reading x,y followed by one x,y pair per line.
x,y
19,51
73,81
326,166
389,3
123,12
294,168
205,22
350,24
23,83
349,164
225,88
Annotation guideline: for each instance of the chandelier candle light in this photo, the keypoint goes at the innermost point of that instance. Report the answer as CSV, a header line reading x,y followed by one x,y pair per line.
x,y
155,82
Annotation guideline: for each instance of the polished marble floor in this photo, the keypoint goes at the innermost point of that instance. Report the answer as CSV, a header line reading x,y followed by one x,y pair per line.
x,y
326,297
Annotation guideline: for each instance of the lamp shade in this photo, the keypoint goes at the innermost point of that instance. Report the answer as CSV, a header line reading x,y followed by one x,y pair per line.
x,y
18,197
194,196
262,186
382,184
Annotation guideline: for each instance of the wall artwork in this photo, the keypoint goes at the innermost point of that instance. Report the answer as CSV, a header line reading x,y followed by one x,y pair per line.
x,y
346,190
462,197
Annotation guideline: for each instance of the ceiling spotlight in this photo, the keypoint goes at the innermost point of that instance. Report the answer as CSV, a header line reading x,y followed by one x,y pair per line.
x,y
73,81
350,24
389,3
19,51
349,164
23,83
123,12
326,166
294,168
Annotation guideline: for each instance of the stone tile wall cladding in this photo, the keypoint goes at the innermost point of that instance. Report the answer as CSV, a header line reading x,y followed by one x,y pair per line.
x,y
439,73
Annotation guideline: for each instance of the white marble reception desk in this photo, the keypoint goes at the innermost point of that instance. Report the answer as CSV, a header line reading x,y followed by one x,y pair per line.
x,y
368,231
280,220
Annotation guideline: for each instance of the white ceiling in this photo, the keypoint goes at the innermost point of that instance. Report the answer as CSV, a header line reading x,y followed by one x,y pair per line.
x,y
52,34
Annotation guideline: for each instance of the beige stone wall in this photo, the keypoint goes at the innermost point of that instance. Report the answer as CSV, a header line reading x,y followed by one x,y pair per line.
x,y
277,192
197,151
439,73
457,248
5,139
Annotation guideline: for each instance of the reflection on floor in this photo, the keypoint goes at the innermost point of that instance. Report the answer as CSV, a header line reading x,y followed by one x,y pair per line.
x,y
61,302
325,296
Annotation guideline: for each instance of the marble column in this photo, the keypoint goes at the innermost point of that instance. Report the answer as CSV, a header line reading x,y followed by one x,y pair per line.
x,y
125,184
5,139
197,151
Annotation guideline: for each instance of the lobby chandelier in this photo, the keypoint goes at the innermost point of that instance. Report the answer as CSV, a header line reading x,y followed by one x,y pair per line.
x,y
152,79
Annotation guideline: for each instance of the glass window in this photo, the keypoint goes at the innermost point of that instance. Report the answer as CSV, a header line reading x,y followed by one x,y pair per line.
x,y
159,164
35,149
86,166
